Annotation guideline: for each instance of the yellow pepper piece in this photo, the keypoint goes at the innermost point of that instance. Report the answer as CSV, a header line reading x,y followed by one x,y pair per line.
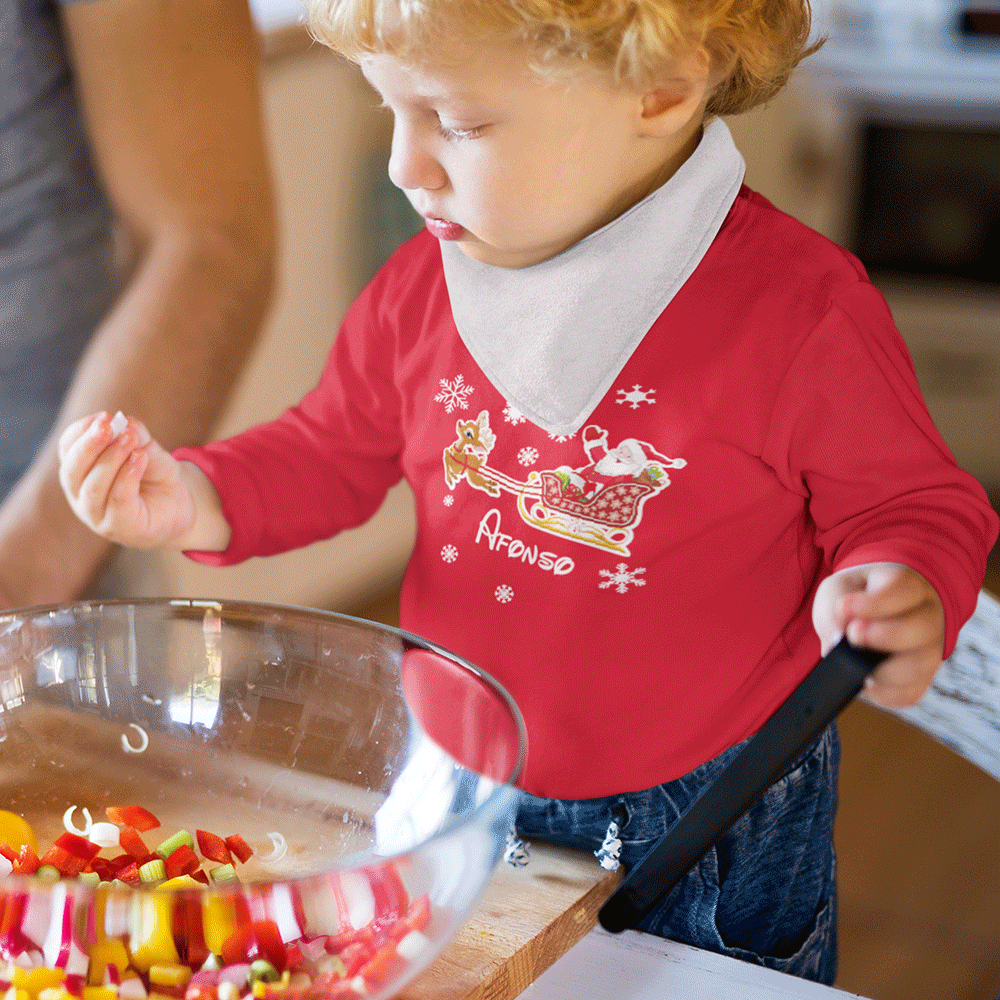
x,y
108,951
100,993
54,993
16,832
152,939
17,994
181,882
169,975
35,980
218,921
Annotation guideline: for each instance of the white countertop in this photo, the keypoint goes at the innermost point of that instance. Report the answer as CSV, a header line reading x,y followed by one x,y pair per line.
x,y
636,966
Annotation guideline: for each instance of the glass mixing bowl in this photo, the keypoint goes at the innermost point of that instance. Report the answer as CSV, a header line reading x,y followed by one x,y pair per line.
x,y
367,771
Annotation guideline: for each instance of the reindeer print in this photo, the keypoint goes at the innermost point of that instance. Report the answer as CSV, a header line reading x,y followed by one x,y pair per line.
x,y
464,458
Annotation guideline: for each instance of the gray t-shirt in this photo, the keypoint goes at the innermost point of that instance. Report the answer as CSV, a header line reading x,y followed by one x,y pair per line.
x,y
56,278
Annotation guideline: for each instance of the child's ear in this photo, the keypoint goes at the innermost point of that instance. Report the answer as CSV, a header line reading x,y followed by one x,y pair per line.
x,y
669,106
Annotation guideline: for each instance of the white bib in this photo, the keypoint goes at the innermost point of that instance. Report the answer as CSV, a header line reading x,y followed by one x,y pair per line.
x,y
553,337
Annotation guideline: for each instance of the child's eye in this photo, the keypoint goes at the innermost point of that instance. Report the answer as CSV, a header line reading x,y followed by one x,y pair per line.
x,y
455,134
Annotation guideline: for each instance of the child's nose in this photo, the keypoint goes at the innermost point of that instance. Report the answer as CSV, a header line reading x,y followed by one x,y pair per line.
x,y
411,164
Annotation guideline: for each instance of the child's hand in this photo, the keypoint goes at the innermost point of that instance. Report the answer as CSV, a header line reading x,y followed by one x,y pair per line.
x,y
889,607
124,486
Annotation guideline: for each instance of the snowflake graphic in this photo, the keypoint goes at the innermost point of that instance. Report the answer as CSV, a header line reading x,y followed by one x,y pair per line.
x,y
513,415
449,553
527,456
449,499
454,394
635,396
504,594
561,438
622,577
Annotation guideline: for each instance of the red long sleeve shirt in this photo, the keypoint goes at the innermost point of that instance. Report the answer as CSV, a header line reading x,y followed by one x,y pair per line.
x,y
643,588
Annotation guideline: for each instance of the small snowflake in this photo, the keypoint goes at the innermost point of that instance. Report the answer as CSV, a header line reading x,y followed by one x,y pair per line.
x,y
513,415
622,577
454,394
635,396
527,456
449,553
449,499
561,438
504,594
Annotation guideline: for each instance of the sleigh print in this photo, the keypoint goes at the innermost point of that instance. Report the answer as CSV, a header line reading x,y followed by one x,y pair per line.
x,y
598,503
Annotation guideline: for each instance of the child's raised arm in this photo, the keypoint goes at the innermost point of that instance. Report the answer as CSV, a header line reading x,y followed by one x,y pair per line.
x,y
127,488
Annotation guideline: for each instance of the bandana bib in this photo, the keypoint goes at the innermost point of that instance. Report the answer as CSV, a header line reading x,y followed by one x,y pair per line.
x,y
553,337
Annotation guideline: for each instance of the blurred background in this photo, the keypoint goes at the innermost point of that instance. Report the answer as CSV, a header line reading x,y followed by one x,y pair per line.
x,y
887,141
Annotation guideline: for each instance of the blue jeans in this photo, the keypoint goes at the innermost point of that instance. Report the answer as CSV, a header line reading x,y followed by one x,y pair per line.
x,y
766,893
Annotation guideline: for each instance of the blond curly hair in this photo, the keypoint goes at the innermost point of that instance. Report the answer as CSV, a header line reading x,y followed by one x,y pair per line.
x,y
755,44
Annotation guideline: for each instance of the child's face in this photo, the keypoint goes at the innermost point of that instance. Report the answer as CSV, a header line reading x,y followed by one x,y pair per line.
x,y
514,169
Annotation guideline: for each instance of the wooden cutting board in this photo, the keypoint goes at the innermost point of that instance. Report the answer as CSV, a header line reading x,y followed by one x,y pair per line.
x,y
528,917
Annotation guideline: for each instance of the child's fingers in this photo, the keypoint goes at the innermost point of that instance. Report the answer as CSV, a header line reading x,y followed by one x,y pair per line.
x,y
902,679
75,431
81,451
913,629
92,466
894,591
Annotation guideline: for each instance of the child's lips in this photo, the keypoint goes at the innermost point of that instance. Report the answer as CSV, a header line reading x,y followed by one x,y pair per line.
x,y
443,229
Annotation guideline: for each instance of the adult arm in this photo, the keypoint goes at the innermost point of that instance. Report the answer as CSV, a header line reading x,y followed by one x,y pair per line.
x,y
170,92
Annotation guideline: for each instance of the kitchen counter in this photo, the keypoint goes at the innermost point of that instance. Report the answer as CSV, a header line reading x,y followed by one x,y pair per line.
x,y
636,966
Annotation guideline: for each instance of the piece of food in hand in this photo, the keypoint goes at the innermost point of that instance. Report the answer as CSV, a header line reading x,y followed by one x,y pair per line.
x,y
119,423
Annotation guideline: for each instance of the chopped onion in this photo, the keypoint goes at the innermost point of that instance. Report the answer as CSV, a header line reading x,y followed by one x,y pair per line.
x,y
103,834
144,740
68,822
280,847
119,423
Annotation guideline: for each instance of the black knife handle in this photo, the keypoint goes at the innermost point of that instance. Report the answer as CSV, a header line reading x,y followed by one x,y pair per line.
x,y
826,690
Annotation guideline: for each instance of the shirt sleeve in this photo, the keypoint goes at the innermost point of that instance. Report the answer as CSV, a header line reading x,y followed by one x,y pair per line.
x,y
323,465
852,434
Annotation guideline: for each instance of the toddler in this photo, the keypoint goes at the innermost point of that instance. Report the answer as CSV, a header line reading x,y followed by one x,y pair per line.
x,y
665,442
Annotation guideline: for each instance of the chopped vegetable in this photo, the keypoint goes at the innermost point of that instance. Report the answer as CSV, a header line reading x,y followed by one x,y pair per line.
x,y
134,816
240,848
213,847
82,940
15,832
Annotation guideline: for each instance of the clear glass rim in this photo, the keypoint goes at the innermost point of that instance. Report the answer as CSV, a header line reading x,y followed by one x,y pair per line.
x,y
501,794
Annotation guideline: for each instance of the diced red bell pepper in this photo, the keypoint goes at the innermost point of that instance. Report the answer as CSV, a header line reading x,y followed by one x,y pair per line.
x,y
239,847
134,816
416,918
336,943
102,866
182,861
27,860
132,843
130,873
189,935
383,964
120,861
78,846
64,862
257,939
213,847
293,956
200,991
8,852
354,956
201,876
